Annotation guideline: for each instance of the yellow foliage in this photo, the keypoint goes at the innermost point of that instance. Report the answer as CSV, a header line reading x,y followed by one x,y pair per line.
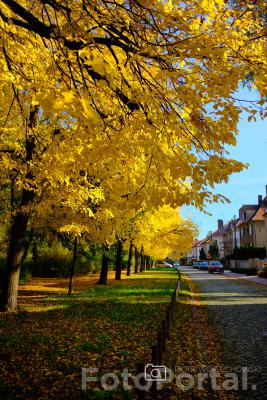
x,y
135,108
163,231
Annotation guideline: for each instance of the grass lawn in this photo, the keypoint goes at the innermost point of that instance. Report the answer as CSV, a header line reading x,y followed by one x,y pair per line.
x,y
45,345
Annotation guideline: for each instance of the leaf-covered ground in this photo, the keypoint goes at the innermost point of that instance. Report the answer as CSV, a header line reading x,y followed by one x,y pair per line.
x,y
45,345
193,349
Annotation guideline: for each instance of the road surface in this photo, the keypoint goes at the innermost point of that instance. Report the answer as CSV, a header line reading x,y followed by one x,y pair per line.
x,y
237,313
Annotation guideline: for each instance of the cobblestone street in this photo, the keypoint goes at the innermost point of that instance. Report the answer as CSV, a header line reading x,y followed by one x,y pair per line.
x,y
237,314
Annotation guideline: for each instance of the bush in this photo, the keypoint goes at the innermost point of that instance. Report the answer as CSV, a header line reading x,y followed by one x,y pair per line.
x,y
244,253
54,260
250,271
263,273
50,260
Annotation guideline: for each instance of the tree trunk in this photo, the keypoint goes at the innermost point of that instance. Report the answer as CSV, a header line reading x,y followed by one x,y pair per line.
x,y
130,258
142,260
27,246
119,260
15,254
103,279
147,262
136,260
18,230
73,265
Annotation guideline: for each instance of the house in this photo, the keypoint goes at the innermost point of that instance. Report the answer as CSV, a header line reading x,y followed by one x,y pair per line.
x,y
252,223
205,244
195,250
244,225
231,237
258,222
265,222
218,237
189,254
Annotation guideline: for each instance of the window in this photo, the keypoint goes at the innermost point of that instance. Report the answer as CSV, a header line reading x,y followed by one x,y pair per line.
x,y
250,229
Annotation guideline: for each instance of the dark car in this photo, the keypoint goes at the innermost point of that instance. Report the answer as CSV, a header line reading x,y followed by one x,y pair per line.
x,y
203,265
216,266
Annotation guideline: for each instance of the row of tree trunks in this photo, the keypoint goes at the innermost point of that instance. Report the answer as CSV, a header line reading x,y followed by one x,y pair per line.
x,y
141,262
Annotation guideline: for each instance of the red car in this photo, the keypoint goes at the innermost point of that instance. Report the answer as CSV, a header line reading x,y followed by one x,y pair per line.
x,y
215,266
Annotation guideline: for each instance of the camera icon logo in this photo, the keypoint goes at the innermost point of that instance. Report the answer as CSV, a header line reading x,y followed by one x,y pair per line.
x,y
155,373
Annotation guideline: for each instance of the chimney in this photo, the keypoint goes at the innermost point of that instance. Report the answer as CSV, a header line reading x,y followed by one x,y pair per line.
x,y
220,223
259,199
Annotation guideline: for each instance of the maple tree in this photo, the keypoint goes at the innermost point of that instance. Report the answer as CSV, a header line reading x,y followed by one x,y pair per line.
x,y
119,99
163,232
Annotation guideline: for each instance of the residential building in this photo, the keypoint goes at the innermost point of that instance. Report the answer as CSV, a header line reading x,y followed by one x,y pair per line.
x,y
195,250
265,222
205,244
252,223
249,229
218,236
244,225
228,241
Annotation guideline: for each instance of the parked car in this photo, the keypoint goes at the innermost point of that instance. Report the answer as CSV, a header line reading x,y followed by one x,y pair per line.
x,y
195,264
204,265
163,264
215,266
168,265
176,264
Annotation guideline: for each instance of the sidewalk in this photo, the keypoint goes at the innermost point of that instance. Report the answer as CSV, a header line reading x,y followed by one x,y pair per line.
x,y
252,278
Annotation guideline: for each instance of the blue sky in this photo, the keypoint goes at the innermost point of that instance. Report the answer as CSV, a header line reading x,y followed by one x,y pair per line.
x,y
244,187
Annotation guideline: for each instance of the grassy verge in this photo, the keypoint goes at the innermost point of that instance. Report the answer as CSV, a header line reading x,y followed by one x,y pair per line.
x,y
110,328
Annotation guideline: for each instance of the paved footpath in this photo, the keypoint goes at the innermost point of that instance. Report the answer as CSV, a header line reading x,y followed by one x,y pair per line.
x,y
253,278
237,312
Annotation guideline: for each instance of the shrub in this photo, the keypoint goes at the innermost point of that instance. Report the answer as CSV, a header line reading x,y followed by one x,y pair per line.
x,y
244,253
50,260
250,271
54,260
262,274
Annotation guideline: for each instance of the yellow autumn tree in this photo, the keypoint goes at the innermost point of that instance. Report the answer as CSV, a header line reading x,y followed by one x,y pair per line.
x,y
163,231
100,88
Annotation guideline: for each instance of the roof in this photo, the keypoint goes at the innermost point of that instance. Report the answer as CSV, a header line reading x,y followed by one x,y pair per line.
x,y
258,215
218,232
240,223
230,225
203,241
195,242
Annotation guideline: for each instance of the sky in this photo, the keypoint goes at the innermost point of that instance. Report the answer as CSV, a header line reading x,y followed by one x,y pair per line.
x,y
244,187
